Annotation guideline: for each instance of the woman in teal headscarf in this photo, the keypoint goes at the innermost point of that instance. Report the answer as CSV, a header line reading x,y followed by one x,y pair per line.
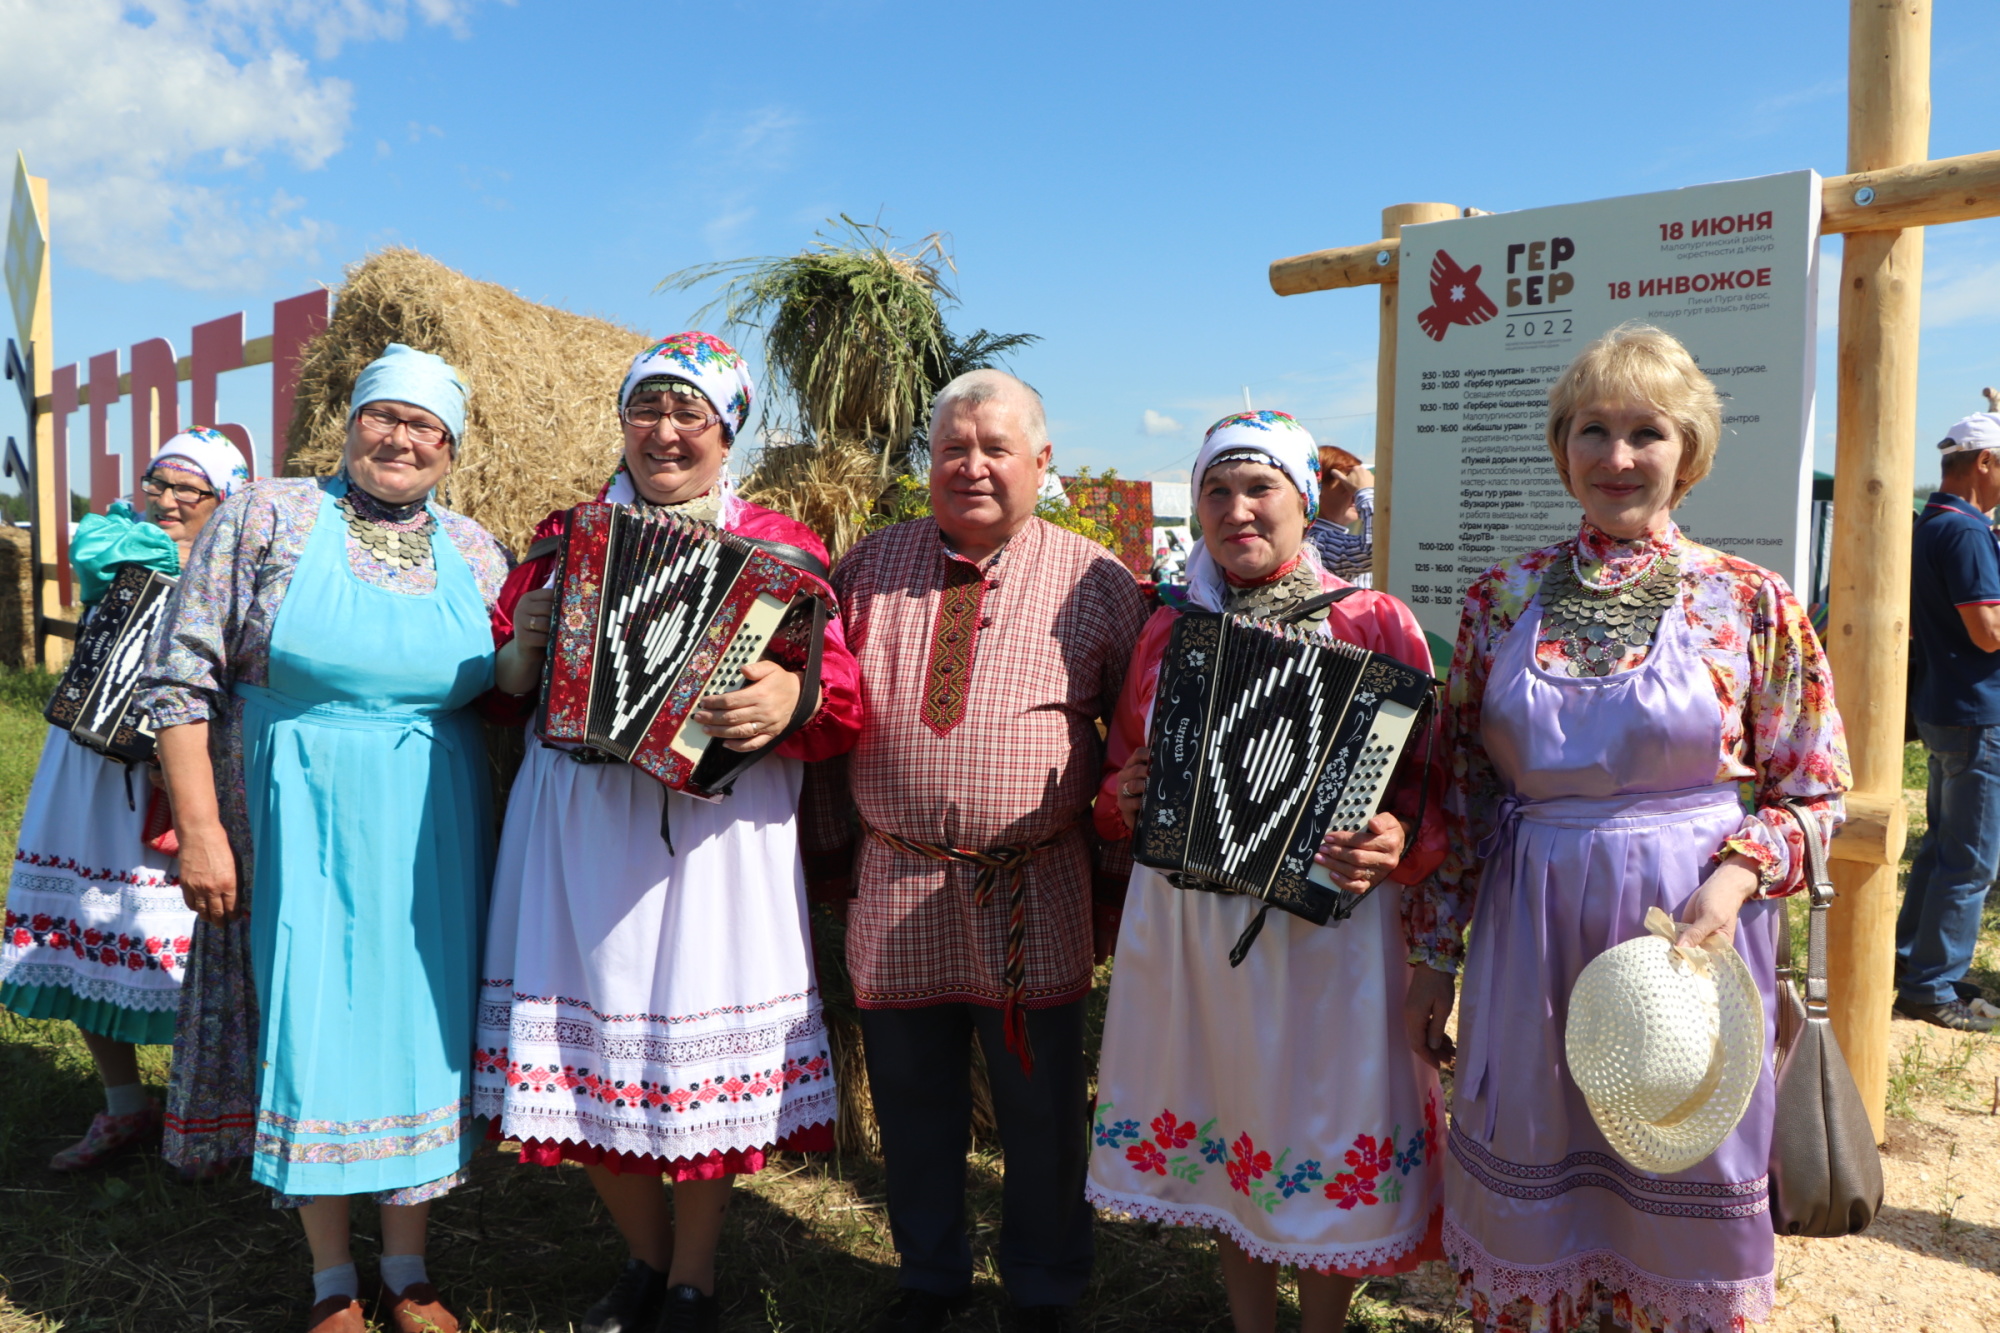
x,y
96,932
310,693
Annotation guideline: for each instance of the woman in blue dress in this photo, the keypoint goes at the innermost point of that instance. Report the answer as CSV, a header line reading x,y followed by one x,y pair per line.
x,y
329,783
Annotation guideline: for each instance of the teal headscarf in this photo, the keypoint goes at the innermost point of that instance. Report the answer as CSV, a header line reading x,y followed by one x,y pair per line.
x,y
102,542
405,375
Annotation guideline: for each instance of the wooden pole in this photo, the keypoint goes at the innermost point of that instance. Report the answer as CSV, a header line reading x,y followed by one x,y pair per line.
x,y
50,509
1393,219
1881,273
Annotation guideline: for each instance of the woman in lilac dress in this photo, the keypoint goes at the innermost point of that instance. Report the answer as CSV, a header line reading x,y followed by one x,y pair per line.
x,y
1629,713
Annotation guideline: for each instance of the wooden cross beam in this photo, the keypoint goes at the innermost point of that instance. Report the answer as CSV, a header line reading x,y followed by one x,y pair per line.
x,y
1891,192
1920,194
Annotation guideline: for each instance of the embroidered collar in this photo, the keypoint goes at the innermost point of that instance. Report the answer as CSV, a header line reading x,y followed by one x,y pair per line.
x,y
1604,559
1278,596
1280,572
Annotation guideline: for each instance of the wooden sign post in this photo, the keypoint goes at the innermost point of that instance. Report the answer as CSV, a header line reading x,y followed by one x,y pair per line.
x,y
1892,191
27,268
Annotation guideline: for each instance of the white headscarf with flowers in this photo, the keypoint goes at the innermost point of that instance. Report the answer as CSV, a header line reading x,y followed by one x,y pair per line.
x,y
1262,436
205,450
715,368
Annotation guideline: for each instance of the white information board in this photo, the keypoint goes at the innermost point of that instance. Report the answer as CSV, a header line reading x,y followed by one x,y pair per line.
x,y
1494,307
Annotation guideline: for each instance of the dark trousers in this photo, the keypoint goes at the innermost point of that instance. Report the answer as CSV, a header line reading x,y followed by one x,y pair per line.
x,y
919,1064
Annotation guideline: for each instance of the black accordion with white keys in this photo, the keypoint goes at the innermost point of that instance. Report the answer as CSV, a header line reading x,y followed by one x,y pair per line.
x,y
652,612
1266,736
94,700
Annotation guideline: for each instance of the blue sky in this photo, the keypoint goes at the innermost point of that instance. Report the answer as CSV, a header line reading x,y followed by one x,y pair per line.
x,y
1114,178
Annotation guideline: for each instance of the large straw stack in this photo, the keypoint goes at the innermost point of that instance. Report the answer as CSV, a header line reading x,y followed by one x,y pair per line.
x,y
541,429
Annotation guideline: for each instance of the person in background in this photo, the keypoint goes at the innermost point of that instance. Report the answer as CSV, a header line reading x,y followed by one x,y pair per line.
x,y
96,932
1630,715
330,785
1955,618
648,1006
1206,1113
1343,535
1163,565
991,645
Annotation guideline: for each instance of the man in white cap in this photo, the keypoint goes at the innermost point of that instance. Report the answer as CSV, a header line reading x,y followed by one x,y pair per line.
x,y
1955,615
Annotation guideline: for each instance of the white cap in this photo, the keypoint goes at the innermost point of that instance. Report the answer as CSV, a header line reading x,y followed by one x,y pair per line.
x,y
1981,430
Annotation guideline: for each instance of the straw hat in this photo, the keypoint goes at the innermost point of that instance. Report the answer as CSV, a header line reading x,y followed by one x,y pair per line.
x,y
1666,1043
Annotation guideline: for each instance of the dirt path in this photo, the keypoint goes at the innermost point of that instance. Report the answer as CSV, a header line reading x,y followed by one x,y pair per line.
x,y
1931,1261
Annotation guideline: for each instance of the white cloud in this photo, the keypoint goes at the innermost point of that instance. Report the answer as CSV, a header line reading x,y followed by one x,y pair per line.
x,y
745,152
1159,423
1962,295
152,119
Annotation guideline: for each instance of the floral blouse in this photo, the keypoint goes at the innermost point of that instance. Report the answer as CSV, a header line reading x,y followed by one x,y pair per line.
x,y
1781,737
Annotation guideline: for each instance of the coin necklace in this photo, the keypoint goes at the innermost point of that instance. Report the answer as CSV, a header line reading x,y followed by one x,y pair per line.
x,y
399,537
1597,624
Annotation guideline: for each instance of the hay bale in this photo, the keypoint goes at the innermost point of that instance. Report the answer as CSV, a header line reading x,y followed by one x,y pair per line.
x,y
541,428
831,487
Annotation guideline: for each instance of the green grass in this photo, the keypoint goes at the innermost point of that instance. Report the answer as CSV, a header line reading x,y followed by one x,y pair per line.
x,y
807,1246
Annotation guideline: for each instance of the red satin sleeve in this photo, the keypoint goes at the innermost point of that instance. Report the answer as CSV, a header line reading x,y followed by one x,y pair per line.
x,y
1128,724
512,710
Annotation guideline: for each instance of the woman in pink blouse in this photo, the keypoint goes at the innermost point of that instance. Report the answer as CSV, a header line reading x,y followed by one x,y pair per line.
x,y
1628,713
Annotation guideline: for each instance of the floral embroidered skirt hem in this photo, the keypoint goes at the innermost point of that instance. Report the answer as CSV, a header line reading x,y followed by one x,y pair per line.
x,y
645,1004
1571,1295
1210,1115
95,928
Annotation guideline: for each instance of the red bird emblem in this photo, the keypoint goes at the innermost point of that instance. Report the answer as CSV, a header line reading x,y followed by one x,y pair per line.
x,y
1455,298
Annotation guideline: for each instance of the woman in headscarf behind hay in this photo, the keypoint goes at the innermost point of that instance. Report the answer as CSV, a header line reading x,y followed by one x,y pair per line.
x,y
310,690
649,1008
1274,1103
96,931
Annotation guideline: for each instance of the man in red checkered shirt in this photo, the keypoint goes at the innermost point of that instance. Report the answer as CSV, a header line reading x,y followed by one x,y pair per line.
x,y
990,643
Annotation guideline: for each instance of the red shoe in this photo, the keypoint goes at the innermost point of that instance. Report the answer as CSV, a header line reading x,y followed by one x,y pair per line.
x,y
337,1314
418,1310
110,1135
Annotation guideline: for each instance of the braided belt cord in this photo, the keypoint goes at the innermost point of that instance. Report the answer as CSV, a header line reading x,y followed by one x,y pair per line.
x,y
1010,861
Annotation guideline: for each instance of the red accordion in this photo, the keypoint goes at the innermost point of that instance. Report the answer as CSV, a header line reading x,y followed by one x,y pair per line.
x,y
655,611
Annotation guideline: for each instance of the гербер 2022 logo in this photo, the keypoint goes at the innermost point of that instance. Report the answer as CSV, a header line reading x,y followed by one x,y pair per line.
x,y
1455,298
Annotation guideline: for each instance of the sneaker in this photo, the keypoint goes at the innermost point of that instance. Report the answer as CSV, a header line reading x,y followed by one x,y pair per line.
x,y
633,1303
688,1311
110,1135
913,1311
1043,1319
1953,1014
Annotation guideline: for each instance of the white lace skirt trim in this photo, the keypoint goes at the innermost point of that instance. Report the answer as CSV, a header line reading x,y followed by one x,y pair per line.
x,y
1377,1258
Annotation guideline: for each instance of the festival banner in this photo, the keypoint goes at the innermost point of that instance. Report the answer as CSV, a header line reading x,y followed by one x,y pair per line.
x,y
1494,307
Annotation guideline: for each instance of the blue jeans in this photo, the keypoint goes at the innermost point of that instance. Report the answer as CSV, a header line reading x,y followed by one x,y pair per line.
x,y
1938,925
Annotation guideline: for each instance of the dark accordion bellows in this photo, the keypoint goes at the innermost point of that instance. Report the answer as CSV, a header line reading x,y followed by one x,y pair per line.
x,y
654,611
94,700
1264,738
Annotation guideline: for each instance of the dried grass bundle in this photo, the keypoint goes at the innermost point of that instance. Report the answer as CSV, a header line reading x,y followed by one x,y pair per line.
x,y
541,430
831,488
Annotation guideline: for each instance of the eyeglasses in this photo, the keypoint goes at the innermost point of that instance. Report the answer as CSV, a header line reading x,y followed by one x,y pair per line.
x,y
153,485
686,420
426,433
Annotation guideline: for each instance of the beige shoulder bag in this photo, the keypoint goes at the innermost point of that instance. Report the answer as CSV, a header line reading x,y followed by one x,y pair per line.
x,y
1826,1175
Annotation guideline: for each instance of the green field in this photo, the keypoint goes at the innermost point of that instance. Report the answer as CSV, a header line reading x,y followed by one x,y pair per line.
x,y
518,1249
